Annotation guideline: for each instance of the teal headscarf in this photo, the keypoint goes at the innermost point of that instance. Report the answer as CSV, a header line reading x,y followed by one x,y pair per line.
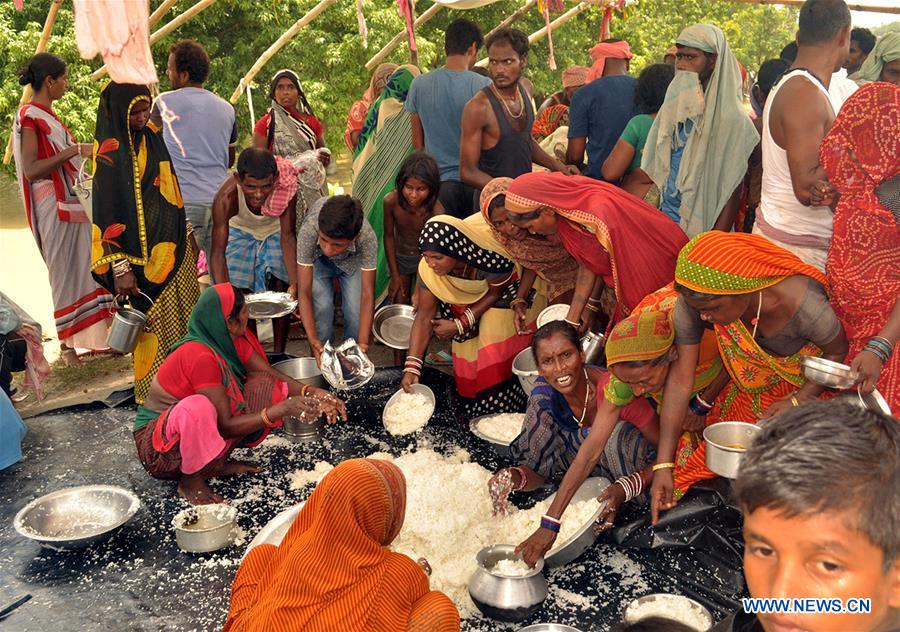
x,y
397,88
886,50
715,156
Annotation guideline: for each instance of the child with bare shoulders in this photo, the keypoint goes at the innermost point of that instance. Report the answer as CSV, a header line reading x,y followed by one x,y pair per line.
x,y
406,209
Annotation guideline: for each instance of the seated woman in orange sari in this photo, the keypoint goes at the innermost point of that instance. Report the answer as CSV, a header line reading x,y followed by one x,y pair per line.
x,y
334,570
861,155
214,392
620,241
768,309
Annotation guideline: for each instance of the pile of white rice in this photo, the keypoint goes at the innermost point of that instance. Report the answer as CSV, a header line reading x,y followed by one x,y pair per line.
x,y
408,413
503,428
673,607
511,568
448,518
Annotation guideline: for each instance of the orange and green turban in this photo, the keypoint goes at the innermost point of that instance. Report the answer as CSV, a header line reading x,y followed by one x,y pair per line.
x,y
736,263
641,336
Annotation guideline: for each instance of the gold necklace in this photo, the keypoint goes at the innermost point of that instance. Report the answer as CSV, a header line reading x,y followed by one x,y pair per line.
x,y
519,101
587,396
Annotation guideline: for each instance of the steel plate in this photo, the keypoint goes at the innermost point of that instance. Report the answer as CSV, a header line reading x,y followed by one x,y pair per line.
x,y
392,325
270,305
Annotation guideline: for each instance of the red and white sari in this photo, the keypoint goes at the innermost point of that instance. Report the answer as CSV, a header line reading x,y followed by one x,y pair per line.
x,y
62,231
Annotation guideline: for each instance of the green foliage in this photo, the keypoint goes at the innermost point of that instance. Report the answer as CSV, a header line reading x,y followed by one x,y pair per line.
x,y
330,57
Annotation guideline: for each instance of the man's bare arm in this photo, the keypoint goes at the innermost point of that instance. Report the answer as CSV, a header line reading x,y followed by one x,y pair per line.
x,y
473,123
800,119
223,209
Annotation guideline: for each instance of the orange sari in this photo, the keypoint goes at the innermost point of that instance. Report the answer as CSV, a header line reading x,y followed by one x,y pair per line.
x,y
334,571
737,263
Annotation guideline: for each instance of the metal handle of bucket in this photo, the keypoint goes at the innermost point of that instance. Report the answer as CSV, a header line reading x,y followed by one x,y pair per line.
x,y
126,296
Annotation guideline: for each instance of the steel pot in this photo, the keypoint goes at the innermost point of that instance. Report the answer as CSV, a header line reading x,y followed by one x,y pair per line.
x,y
525,368
205,528
303,431
726,443
593,345
505,597
303,370
128,323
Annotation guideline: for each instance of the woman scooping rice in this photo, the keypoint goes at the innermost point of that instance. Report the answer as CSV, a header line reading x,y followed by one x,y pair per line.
x,y
768,309
214,392
466,287
620,241
538,256
639,353
561,413
335,570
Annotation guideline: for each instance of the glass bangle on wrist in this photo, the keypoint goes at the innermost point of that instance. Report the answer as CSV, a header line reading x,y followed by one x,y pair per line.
x,y
698,406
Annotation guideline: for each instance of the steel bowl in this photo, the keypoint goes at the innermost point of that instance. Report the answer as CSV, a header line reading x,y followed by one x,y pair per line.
x,y
392,325
205,528
504,597
501,446
872,401
726,442
76,517
574,546
551,313
548,627
421,389
275,530
828,373
665,605
524,367
303,370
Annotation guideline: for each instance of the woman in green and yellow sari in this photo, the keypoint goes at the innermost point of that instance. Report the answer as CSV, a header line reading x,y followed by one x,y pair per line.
x,y
767,309
384,144
140,242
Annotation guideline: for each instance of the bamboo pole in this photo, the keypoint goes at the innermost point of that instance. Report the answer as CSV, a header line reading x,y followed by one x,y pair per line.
x,y
555,24
40,48
168,28
884,8
430,12
277,46
512,17
413,54
160,11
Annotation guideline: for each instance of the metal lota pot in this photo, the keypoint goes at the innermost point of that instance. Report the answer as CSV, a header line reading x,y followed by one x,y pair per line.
x,y
205,528
505,597
128,323
726,442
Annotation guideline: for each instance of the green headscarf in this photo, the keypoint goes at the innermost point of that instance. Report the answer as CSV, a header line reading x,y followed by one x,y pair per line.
x,y
886,50
397,88
715,157
207,326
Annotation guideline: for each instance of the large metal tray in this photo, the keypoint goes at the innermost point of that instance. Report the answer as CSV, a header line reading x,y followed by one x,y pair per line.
x,y
571,549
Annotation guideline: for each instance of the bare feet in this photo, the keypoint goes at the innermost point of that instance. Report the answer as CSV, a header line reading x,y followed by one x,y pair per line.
x,y
194,489
235,468
68,356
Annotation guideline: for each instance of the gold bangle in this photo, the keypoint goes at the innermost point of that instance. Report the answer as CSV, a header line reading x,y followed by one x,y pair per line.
x,y
593,308
663,466
794,400
264,414
304,389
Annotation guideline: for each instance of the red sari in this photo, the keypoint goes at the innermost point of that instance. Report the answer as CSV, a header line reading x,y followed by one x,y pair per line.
x,y
632,245
860,152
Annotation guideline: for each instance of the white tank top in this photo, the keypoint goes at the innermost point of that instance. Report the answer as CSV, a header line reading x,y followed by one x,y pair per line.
x,y
260,226
779,206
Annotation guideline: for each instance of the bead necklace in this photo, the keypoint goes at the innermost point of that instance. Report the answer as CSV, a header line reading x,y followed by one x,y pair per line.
x,y
587,396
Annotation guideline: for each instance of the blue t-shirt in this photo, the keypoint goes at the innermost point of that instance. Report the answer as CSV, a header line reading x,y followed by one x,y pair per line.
x,y
438,97
204,124
670,199
600,111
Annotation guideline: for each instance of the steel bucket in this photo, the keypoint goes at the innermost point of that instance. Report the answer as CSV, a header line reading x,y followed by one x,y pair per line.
x,y
128,323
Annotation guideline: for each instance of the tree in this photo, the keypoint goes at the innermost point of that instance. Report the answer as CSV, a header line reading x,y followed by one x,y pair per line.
x,y
330,57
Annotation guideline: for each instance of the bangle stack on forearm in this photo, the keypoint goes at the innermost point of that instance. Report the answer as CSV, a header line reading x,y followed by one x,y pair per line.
x,y
121,267
413,365
880,347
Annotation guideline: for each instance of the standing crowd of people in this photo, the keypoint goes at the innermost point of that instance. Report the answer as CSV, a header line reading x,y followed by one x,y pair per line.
x,y
714,245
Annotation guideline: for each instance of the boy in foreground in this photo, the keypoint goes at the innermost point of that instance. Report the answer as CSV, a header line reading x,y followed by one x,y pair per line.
x,y
820,493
